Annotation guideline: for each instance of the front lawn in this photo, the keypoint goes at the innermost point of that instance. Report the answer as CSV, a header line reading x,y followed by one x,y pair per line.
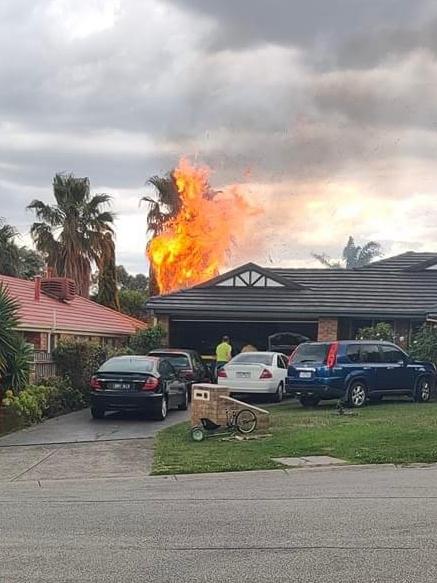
x,y
399,432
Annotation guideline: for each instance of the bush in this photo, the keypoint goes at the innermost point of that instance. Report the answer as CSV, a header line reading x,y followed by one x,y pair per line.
x,y
78,361
381,331
37,402
424,344
146,340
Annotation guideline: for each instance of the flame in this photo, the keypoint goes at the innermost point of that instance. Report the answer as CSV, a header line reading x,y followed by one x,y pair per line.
x,y
198,241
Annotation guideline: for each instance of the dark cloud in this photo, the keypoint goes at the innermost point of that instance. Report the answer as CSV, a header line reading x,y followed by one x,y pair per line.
x,y
293,22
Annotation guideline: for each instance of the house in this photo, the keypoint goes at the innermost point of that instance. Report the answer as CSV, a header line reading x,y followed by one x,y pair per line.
x,y
251,303
50,310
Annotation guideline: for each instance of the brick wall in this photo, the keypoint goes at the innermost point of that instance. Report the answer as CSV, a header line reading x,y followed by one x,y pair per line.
x,y
212,402
164,322
328,329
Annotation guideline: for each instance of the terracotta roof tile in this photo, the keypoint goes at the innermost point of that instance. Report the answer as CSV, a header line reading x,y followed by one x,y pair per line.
x,y
80,315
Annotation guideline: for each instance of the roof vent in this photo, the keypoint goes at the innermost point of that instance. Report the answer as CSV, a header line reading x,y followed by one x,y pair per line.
x,y
59,288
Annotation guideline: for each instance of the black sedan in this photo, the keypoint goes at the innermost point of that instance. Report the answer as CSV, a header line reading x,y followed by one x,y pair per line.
x,y
137,383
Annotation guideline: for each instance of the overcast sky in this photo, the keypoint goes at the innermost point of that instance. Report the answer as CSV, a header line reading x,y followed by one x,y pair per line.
x,y
325,110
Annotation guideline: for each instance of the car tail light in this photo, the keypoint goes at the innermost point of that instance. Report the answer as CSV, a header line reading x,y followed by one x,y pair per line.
x,y
222,374
266,374
95,384
150,384
331,359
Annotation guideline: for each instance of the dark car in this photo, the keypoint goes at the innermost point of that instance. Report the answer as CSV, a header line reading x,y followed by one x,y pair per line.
x,y
356,371
188,363
137,383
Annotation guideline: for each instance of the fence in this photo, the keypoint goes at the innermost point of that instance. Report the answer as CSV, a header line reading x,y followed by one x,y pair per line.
x,y
42,366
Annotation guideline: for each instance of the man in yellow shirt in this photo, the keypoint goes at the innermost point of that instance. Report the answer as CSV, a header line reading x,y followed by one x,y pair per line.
x,y
223,353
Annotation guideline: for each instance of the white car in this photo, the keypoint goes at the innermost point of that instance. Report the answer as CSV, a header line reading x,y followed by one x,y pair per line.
x,y
256,372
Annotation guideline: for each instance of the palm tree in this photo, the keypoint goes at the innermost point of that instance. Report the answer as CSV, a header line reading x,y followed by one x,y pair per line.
x,y
71,233
352,256
9,322
9,252
163,206
108,290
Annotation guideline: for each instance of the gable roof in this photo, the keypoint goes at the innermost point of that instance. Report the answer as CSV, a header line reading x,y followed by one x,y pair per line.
x,y
383,289
78,316
239,276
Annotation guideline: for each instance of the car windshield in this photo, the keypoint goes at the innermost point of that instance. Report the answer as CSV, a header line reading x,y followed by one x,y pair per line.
x,y
253,358
125,364
310,352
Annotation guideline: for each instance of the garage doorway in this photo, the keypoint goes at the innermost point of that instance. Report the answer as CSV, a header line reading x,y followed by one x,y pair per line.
x,y
204,336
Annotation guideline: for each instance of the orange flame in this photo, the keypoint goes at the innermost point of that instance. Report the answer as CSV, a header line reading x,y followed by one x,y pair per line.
x,y
197,242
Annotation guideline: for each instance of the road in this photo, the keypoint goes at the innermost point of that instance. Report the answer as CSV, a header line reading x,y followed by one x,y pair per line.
x,y
331,525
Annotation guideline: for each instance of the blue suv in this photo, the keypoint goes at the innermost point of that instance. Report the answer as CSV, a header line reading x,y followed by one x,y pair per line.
x,y
356,371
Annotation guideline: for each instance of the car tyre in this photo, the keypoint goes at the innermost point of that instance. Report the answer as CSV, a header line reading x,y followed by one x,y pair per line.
x,y
184,405
162,409
357,394
422,393
279,395
309,401
97,413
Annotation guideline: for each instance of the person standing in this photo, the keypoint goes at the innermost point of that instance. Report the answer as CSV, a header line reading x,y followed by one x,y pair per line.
x,y
223,353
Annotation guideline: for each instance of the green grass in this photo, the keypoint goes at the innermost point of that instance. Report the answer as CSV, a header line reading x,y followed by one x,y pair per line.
x,y
400,432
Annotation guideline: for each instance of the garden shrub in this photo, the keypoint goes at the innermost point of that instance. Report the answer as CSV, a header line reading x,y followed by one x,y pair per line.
x,y
380,331
424,344
78,361
37,402
146,340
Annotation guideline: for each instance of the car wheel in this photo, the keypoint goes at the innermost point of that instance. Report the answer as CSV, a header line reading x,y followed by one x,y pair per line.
x,y
357,396
279,395
423,391
162,410
184,405
97,413
309,401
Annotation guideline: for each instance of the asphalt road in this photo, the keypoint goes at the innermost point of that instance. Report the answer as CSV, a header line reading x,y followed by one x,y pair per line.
x,y
343,525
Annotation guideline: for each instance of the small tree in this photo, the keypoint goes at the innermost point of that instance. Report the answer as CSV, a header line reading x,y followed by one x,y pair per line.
x,y
146,340
380,331
108,291
424,344
132,303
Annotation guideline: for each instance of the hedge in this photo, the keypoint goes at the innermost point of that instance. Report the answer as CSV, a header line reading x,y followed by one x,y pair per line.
x,y
37,402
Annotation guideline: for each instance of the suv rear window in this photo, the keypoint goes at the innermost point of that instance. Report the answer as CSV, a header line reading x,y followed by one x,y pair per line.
x,y
177,360
310,352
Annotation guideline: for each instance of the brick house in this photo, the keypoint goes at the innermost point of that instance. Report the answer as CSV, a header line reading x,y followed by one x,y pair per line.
x,y
50,310
251,303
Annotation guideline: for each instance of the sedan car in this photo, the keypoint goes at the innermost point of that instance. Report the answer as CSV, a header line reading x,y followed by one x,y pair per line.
x,y
256,372
137,383
188,364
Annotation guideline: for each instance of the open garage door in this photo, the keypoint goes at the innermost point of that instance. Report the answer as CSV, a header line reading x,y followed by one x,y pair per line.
x,y
204,336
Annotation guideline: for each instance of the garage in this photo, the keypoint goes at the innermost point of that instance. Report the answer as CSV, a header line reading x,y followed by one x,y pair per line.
x,y
204,335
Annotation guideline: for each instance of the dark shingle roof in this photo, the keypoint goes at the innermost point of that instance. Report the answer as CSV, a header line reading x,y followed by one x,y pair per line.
x,y
387,288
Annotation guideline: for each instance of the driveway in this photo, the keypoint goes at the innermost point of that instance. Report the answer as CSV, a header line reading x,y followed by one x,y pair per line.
x,y
313,526
76,446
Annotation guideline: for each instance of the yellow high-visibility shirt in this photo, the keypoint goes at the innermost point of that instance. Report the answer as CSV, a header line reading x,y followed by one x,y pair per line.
x,y
223,352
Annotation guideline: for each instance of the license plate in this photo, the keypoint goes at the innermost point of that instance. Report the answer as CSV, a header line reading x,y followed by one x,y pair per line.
x,y
304,375
120,386
243,375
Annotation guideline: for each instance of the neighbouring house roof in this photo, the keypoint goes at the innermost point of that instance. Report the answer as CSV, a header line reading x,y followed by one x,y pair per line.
x,y
401,286
80,315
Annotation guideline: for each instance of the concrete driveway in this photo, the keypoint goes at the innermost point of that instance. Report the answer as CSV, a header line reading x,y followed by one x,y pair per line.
x,y
75,446
365,525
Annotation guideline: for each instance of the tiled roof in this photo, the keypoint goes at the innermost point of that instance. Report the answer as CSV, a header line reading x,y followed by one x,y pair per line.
x,y
80,315
387,288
